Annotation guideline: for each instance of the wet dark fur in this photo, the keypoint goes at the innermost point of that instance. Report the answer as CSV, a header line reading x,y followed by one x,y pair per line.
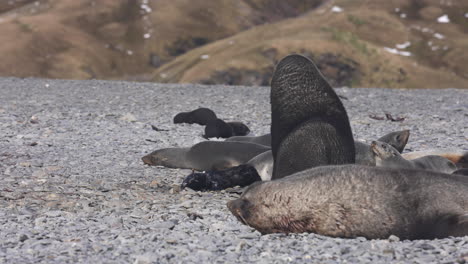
x,y
220,129
201,116
241,175
309,126
351,201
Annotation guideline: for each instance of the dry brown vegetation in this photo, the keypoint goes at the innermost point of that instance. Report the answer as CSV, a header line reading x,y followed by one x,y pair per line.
x,y
236,42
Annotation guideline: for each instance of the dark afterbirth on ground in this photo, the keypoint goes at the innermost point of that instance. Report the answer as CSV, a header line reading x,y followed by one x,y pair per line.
x,y
73,186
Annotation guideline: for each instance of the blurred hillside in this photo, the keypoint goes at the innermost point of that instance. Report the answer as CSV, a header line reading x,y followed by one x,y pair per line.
x,y
359,43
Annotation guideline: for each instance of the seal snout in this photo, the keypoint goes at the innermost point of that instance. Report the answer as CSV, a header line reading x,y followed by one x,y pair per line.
x,y
148,160
239,208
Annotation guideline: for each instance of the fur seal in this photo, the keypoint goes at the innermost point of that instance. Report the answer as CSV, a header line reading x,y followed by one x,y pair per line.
x,y
206,155
220,129
459,157
262,164
349,201
306,117
387,156
201,116
463,171
262,140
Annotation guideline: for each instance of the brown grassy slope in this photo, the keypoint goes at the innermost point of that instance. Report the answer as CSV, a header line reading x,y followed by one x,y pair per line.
x,y
79,39
348,47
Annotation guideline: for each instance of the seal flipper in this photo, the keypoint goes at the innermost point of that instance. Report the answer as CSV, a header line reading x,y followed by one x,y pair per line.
x,y
241,175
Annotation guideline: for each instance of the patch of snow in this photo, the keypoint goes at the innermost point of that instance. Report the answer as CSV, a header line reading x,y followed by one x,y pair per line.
x,y
403,15
204,56
147,35
146,7
434,48
445,48
403,45
337,9
443,19
439,36
397,52
466,15
429,43
163,75
397,9
129,52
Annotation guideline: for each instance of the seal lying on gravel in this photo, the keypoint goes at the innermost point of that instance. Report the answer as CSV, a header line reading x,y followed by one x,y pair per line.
x,y
306,117
206,155
262,140
261,167
350,201
201,116
459,157
220,129
387,156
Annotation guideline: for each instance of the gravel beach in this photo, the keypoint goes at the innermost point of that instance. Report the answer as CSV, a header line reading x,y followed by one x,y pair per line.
x,y
73,187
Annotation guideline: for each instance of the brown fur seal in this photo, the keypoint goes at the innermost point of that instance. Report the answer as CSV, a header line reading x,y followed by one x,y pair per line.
x,y
306,117
350,201
387,156
201,116
206,155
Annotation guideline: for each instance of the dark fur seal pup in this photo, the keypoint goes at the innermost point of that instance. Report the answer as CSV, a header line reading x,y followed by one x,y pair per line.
x,y
206,155
201,116
306,117
387,156
349,201
220,129
397,139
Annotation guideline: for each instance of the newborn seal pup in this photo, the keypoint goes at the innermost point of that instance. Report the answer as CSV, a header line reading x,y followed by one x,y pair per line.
x,y
387,156
201,116
349,201
220,129
261,167
206,155
307,117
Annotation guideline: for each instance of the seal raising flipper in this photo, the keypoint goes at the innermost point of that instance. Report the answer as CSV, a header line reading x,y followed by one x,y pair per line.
x,y
206,155
387,156
351,201
309,125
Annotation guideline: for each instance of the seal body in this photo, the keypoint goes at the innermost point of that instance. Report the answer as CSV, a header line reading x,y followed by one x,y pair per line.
x,y
206,155
262,140
350,201
309,125
201,116
219,129
387,156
